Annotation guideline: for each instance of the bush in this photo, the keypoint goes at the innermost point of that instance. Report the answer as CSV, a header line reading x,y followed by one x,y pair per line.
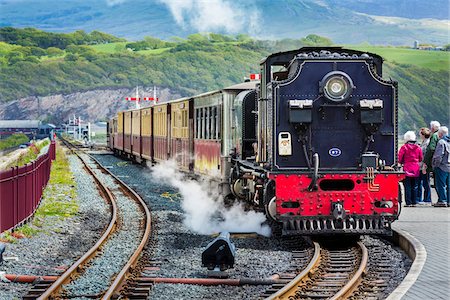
x,y
13,141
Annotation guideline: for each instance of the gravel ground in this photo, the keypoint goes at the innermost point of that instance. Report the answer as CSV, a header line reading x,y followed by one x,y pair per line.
x,y
116,251
179,249
61,242
382,254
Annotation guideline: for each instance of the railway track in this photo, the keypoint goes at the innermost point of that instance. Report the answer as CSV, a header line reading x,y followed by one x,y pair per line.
x,y
322,272
332,273
123,202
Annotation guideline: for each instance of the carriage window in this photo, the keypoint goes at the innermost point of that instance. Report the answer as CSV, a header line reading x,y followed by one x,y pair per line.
x,y
203,123
197,123
207,122
213,122
185,123
218,116
208,129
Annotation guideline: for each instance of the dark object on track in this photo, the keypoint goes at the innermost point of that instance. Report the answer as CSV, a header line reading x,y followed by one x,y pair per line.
x,y
2,249
219,255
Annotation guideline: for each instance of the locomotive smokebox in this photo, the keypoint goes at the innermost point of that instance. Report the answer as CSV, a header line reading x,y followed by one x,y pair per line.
x,y
219,254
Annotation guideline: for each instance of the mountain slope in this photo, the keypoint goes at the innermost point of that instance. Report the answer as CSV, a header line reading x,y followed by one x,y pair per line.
x,y
344,21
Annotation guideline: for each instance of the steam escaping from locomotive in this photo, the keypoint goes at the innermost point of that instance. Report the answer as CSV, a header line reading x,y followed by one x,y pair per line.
x,y
205,212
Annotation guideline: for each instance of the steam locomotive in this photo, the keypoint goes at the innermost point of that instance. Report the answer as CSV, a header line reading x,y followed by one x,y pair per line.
x,y
313,144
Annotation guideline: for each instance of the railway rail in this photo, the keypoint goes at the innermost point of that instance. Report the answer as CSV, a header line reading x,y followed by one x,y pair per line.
x,y
114,191
332,273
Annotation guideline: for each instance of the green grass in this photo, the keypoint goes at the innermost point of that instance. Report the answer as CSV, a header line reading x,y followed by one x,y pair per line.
x,y
27,230
120,46
110,48
47,58
433,60
59,195
6,237
153,51
13,141
30,155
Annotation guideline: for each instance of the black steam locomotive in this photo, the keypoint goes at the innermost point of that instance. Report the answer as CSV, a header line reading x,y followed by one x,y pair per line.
x,y
326,137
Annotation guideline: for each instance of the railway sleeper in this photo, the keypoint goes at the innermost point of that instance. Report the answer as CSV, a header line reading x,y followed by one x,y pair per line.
x,y
318,295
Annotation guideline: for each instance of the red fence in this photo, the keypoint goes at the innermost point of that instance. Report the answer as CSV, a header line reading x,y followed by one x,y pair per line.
x,y
21,189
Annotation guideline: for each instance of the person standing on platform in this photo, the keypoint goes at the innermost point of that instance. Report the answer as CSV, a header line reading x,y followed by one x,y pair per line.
x,y
441,167
424,177
410,156
428,155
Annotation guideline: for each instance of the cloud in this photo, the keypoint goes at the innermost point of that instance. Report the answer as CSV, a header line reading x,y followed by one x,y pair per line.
x,y
214,15
114,2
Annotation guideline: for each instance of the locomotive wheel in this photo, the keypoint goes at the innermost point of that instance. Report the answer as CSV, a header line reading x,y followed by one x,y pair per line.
x,y
270,208
235,183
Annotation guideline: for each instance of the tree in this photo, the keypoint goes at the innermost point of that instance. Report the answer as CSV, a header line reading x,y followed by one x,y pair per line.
x,y
154,43
32,59
316,40
197,38
243,38
53,51
14,57
36,51
71,57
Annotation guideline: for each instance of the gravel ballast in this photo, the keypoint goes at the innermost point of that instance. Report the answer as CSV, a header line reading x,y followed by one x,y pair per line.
x,y
97,277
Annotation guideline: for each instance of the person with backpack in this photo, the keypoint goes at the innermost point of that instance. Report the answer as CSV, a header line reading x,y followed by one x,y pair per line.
x,y
441,167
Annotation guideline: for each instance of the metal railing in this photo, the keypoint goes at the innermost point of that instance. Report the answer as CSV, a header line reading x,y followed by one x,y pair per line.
x,y
21,189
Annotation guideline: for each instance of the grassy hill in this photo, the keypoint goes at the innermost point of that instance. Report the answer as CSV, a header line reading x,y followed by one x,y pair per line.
x,y
433,60
203,63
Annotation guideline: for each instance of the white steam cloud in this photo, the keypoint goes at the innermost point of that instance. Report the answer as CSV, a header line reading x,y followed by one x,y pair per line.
x,y
214,15
114,2
204,211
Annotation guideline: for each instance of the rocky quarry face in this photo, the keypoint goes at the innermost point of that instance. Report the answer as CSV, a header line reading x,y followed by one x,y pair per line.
x,y
92,106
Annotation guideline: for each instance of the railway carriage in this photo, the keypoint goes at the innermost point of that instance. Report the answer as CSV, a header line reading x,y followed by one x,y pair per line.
x,y
111,132
136,138
161,133
127,131
147,133
208,128
118,135
182,133
313,145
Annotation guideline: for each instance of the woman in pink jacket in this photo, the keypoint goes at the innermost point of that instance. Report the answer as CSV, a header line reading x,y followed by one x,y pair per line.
x,y
410,156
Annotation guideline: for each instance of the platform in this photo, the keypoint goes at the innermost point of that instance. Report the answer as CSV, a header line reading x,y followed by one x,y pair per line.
x,y
431,226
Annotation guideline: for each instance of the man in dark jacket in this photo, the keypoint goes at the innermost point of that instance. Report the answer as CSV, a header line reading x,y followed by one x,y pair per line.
x,y
441,167
428,155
